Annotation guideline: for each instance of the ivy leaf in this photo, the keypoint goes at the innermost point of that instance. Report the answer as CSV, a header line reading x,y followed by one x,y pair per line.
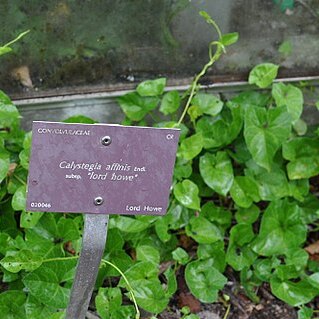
x,y
68,229
148,253
135,106
208,103
29,219
289,96
149,294
217,171
220,130
203,231
36,310
151,87
264,133
204,280
45,283
171,282
215,251
12,304
229,38
9,114
180,255
305,313
303,154
19,199
109,304
239,253
186,192
191,146
128,224
244,191
293,293
170,102
263,74
281,229
23,259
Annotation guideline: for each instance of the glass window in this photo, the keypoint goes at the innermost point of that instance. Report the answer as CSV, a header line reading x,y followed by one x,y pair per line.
x,y
92,46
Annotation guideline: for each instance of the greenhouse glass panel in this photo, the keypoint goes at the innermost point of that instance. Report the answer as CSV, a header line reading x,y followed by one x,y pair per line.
x,y
93,46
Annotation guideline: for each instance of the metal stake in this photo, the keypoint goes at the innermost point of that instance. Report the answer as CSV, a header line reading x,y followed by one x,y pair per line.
x,y
93,244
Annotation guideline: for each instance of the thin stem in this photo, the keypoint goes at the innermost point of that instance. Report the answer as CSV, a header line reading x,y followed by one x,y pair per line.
x,y
59,259
19,179
131,291
213,59
227,312
17,38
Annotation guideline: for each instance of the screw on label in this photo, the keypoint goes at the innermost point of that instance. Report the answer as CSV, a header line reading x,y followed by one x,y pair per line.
x,y
170,136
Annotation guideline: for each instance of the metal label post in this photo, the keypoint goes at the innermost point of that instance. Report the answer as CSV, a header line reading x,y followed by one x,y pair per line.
x,y
93,244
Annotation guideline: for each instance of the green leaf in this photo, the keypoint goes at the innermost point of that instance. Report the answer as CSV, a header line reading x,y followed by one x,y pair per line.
x,y
215,251
204,280
203,231
29,219
191,146
12,304
217,215
285,48
4,50
220,130
170,102
45,283
80,119
68,229
244,191
128,224
9,114
305,313
300,127
186,192
229,38
4,164
108,304
150,296
217,172
182,171
272,185
264,133
148,253
239,253
293,293
135,106
36,310
23,259
143,277
171,281
19,199
263,74
180,255
281,229
151,87
208,103
247,215
289,96
303,154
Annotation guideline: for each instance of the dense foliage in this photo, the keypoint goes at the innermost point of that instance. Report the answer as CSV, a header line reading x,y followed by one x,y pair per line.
x,y
244,198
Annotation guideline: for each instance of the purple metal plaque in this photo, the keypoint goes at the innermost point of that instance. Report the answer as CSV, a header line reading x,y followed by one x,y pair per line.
x,y
99,168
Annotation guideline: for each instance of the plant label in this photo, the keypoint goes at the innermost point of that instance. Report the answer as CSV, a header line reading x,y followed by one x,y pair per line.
x,y
100,168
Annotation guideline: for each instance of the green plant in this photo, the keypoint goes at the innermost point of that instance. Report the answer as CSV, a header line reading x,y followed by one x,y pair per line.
x,y
244,197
